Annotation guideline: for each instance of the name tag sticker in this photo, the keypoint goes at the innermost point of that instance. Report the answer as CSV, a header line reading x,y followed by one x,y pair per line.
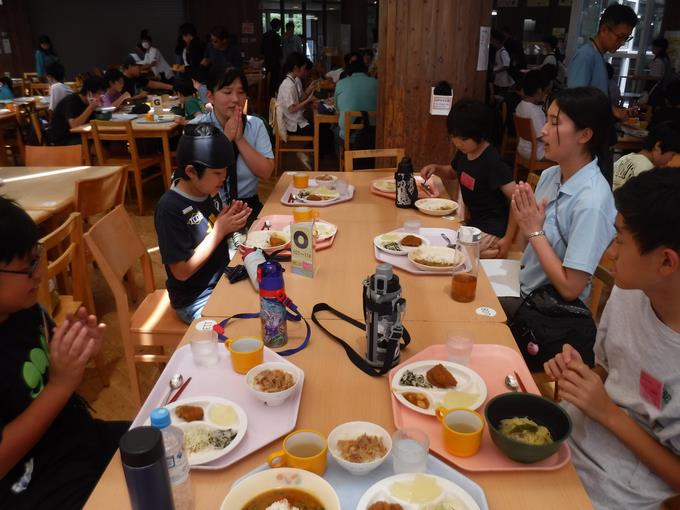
x,y
468,181
651,389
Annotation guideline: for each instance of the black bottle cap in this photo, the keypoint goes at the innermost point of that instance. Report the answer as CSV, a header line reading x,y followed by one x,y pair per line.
x,y
141,446
405,165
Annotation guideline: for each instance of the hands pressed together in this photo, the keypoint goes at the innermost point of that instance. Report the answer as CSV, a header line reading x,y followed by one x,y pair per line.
x,y
233,128
232,218
529,214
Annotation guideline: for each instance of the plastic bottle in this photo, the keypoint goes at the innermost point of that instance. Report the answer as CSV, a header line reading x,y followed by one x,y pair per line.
x,y
272,310
146,474
251,261
407,191
177,459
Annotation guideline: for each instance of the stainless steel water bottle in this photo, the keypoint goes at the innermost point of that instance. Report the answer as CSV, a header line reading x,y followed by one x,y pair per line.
x,y
407,191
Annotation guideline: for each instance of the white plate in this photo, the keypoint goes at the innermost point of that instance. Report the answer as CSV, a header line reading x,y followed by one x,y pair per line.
x,y
321,182
386,185
443,251
325,230
105,109
469,382
327,194
260,239
206,403
382,239
433,206
123,116
381,491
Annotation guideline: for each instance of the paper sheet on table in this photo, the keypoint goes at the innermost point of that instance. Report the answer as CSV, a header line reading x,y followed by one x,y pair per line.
x,y
504,276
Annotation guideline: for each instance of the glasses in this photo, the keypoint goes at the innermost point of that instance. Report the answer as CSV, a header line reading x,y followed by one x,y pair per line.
x,y
622,38
32,268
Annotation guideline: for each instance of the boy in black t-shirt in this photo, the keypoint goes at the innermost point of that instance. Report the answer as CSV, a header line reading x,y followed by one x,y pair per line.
x,y
485,180
75,110
52,452
134,84
191,222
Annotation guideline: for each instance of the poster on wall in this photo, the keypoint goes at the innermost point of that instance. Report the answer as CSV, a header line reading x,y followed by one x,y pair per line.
x,y
507,3
538,3
483,55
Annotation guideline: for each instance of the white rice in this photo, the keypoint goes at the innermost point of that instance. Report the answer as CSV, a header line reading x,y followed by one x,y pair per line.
x,y
281,505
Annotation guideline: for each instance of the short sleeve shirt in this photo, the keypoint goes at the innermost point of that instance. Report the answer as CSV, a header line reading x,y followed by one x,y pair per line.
x,y
134,86
582,211
481,181
290,92
588,69
70,107
58,91
534,112
255,133
640,354
628,166
182,222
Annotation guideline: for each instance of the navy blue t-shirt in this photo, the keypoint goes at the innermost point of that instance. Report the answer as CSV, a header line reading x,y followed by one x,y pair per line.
x,y
182,222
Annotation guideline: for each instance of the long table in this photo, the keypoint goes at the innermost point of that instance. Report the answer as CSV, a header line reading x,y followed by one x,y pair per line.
x,y
336,392
343,267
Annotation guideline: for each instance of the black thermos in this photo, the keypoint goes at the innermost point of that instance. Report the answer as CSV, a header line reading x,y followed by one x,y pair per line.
x,y
407,191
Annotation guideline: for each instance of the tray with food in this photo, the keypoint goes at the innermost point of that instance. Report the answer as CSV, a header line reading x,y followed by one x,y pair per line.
x,y
440,485
220,393
324,233
492,363
425,253
318,194
387,187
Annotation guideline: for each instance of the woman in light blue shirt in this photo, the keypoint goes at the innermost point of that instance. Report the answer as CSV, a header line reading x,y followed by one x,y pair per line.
x,y
569,221
248,135
44,55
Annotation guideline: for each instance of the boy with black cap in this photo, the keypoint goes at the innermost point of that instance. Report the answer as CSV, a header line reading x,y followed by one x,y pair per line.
x,y
192,223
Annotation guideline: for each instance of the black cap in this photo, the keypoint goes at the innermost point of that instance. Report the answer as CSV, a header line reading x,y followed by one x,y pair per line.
x,y
206,145
141,446
405,165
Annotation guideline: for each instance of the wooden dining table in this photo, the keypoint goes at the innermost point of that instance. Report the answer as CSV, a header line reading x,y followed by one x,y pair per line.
x,y
335,392
46,191
140,130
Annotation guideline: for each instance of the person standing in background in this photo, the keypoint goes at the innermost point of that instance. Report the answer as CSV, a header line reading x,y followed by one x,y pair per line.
x,y
190,48
153,58
44,55
221,53
291,42
502,80
273,53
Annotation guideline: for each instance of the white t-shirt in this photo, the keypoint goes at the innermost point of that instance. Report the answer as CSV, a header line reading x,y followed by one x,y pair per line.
x,y
159,64
537,115
628,166
58,91
290,92
335,74
502,78
640,354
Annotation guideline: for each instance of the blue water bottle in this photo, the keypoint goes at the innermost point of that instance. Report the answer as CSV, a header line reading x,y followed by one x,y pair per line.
x,y
272,309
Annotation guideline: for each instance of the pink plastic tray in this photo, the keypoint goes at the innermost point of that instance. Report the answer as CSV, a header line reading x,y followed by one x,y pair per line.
x,y
279,221
393,196
265,424
402,262
291,190
492,362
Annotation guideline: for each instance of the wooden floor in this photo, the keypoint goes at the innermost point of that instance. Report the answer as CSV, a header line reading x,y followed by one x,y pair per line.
x,y
114,401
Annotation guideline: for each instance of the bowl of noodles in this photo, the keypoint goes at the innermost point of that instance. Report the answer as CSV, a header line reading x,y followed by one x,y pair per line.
x,y
525,427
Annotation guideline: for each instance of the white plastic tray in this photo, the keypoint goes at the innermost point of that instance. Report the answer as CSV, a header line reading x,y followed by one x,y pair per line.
x,y
431,234
345,196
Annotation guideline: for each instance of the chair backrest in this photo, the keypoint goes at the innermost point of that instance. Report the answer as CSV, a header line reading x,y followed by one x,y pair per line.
x,y
100,194
350,156
272,113
354,121
66,242
115,131
29,124
116,247
54,155
532,180
525,130
603,279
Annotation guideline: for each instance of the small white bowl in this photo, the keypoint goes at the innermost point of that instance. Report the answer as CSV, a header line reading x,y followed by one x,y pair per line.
x,y
352,430
273,399
436,206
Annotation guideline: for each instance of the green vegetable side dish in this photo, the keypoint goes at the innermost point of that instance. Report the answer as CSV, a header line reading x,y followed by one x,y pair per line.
x,y
411,379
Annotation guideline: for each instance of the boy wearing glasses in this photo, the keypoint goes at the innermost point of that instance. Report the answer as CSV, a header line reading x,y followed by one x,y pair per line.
x,y
52,452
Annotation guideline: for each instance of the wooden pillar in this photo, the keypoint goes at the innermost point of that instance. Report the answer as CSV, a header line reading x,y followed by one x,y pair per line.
x,y
420,44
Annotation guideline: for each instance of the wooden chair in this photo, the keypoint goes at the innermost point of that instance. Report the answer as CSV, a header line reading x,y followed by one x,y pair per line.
x,y
154,325
100,194
350,156
508,140
65,155
525,130
351,124
121,131
39,89
28,119
67,273
29,78
532,180
280,146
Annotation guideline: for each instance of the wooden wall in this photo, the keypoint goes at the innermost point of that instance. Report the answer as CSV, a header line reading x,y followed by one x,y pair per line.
x,y
15,22
422,43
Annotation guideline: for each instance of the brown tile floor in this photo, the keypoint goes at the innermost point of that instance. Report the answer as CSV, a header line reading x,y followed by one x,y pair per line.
x,y
114,401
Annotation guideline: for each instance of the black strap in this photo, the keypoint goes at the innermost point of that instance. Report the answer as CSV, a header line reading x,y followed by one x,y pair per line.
x,y
355,357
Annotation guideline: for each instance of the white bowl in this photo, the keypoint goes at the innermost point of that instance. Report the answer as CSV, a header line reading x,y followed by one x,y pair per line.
x,y
436,206
281,478
456,257
352,430
260,239
273,399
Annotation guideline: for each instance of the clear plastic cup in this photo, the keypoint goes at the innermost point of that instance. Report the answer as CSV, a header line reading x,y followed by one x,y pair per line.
x,y
412,226
205,352
410,447
459,348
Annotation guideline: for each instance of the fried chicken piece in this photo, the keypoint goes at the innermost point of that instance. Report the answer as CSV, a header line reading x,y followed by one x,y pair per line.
x,y
314,198
189,413
274,240
411,240
382,505
440,377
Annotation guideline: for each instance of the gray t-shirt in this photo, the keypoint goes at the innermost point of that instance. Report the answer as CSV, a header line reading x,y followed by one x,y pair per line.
x,y
641,356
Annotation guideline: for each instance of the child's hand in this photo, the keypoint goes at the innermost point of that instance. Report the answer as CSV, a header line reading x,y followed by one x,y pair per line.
x,y
557,366
71,348
428,171
94,329
125,96
436,186
503,245
232,218
530,215
233,128
584,388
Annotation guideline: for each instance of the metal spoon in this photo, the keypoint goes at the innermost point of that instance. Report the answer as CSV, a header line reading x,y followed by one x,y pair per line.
x,y
449,244
267,225
175,382
511,382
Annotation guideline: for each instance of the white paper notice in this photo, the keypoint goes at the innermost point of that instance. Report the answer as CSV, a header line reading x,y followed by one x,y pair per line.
x,y
504,276
483,57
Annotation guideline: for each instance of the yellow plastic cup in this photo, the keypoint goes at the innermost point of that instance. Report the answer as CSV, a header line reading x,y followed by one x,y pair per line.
x,y
301,214
302,449
461,430
246,352
300,180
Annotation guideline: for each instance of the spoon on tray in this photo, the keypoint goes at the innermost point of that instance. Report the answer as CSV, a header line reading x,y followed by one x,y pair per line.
x,y
449,244
175,382
511,382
